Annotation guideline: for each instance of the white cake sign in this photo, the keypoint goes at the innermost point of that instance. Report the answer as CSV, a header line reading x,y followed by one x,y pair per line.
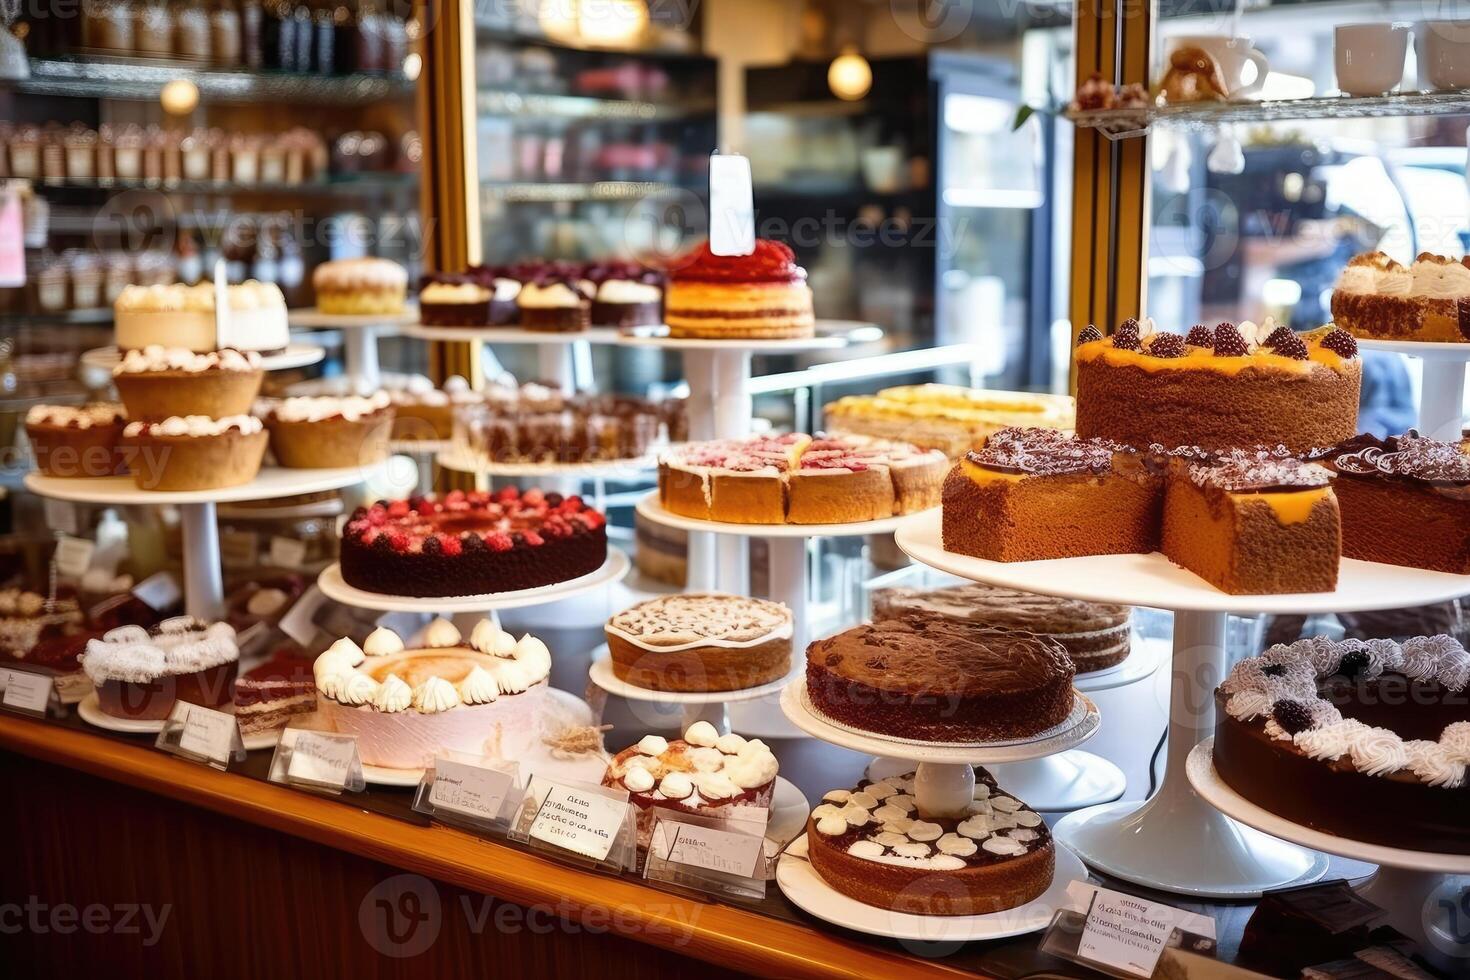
x,y
731,205
579,821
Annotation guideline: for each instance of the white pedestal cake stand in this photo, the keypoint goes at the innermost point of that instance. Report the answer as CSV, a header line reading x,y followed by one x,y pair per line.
x,y
1442,397
787,547
941,767
1174,841
1405,879
360,335
557,353
203,582
707,706
294,356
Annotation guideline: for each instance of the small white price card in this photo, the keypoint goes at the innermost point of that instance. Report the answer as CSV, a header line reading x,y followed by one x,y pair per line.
x,y
26,692
159,591
474,793
731,205
318,761
708,848
588,824
1128,934
201,734
74,555
61,516
287,552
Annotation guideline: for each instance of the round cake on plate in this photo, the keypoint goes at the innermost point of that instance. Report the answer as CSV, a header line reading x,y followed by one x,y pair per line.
x,y
872,843
1218,388
472,543
77,440
139,673
360,287
176,315
763,295
1367,740
702,641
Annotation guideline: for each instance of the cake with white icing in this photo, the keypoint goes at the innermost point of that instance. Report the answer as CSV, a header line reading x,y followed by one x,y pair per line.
x,y
408,704
159,382
703,641
140,673
176,315
1368,740
71,441
704,773
195,452
365,286
328,431
986,854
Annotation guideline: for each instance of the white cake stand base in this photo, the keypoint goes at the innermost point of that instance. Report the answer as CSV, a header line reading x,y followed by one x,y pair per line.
x,y
1442,392
1056,783
710,706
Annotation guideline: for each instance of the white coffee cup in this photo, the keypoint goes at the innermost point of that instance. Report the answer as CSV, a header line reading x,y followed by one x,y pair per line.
x,y
1232,54
1370,57
1444,54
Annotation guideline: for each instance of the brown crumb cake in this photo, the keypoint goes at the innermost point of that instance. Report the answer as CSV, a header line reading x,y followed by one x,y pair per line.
x,y
940,681
872,844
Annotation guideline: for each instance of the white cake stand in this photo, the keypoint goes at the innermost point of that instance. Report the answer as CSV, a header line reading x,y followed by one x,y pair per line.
x,y
707,706
294,356
203,583
808,891
460,461
1442,397
1175,842
90,711
1405,881
787,547
360,335
557,352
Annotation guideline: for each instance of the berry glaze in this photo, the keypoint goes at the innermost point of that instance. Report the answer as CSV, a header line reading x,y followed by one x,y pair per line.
x,y
472,543
771,262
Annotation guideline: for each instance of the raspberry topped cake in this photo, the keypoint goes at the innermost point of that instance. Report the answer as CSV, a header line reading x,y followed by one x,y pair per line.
x,y
703,773
1368,740
874,844
1219,387
940,681
1390,487
1377,297
472,543
763,295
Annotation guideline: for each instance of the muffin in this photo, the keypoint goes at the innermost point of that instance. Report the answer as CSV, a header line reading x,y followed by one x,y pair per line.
x,y
195,452
69,441
158,383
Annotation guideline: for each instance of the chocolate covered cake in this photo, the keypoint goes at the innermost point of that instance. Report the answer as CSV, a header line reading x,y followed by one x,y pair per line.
x,y
1095,635
1367,740
470,544
872,843
1405,501
940,681
1218,388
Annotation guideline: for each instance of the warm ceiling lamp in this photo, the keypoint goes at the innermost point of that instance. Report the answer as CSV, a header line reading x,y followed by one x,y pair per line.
x,y
179,97
601,23
850,77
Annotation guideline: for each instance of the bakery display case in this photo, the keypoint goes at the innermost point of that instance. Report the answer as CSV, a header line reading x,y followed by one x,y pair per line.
x,y
712,602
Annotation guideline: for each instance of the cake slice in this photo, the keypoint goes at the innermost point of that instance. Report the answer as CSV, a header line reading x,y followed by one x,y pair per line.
x,y
1254,525
269,696
1405,500
749,482
1032,494
836,484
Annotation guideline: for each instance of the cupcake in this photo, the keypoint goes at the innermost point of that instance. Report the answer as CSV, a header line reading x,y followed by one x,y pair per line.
x,y
454,301
556,304
77,441
157,382
628,298
195,452
326,432
140,673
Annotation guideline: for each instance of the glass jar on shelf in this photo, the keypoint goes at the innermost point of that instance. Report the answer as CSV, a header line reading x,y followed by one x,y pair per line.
x,y
153,28
191,31
225,35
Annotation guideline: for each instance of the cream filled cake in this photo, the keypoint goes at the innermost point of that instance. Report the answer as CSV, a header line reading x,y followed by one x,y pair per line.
x,y
1429,300
159,382
140,673
405,705
362,286
176,315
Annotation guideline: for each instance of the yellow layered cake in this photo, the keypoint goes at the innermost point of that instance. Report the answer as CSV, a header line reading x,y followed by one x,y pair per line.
x,y
946,417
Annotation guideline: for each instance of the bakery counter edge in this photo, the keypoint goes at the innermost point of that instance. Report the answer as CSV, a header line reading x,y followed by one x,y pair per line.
x,y
730,937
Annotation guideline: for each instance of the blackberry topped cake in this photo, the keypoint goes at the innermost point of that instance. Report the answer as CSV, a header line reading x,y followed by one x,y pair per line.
x,y
628,295
940,681
1219,387
1378,298
874,844
1368,740
1390,487
1095,635
472,543
763,295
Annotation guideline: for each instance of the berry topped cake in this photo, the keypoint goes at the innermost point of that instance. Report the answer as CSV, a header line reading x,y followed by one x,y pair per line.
x,y
472,543
763,295
1368,740
1218,388
874,844
1377,297
628,295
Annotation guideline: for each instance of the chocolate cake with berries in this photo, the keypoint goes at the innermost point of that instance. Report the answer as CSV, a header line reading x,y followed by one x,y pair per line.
x,y
1368,740
1030,494
940,681
763,295
874,844
472,543
1253,524
1218,388
1405,501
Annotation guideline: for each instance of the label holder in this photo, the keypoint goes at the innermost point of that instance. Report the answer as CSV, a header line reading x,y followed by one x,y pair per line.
x,y
201,735
541,818
26,692
708,854
473,793
318,762
1069,927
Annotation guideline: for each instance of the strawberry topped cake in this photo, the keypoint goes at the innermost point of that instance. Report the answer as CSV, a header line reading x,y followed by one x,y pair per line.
x,y
762,295
472,543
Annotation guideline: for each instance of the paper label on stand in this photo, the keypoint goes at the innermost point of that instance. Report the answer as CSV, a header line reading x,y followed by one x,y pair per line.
x,y
708,848
25,691
238,549
61,516
731,205
208,733
287,552
323,760
159,591
578,821
474,791
300,622
1126,932
74,556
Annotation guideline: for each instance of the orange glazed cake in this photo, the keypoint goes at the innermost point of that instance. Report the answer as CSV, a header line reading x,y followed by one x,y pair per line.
x,y
763,295
1218,388
1429,301
1254,525
1031,494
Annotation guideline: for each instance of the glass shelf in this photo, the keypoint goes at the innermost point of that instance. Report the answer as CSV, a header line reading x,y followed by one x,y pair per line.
x,y
362,185
92,79
499,102
601,190
1126,123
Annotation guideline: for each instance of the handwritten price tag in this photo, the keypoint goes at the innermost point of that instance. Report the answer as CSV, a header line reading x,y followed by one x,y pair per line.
x,y
579,821
708,848
469,790
207,733
322,760
27,692
1126,932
